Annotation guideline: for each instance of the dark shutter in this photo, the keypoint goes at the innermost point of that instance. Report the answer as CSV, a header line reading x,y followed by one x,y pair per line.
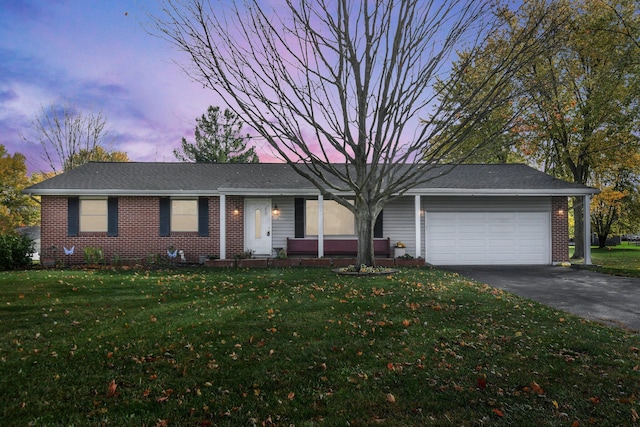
x,y
377,227
299,217
203,216
112,216
165,216
73,216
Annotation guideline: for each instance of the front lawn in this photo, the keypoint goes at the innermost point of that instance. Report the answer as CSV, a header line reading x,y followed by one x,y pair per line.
x,y
301,347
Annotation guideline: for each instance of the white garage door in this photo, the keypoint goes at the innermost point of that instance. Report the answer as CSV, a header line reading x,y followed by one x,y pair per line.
x,y
476,238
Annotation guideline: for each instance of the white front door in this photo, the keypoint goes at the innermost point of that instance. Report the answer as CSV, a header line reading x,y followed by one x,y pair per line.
x,y
257,226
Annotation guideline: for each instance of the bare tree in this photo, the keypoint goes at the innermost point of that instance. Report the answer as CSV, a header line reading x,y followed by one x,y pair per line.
x,y
319,79
66,136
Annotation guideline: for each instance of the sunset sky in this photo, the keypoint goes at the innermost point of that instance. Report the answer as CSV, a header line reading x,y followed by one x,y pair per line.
x,y
98,56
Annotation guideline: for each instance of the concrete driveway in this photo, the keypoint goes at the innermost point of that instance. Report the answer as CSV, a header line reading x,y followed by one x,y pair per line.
x,y
609,299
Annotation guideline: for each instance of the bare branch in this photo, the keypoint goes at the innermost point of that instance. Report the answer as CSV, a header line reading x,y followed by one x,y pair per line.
x,y
330,84
63,134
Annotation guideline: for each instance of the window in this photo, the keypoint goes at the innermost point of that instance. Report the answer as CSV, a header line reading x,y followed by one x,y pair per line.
x,y
342,221
184,215
93,215
338,220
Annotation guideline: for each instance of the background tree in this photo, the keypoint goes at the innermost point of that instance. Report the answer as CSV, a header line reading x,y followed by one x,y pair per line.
x,y
578,103
615,209
69,138
347,80
16,209
97,154
218,140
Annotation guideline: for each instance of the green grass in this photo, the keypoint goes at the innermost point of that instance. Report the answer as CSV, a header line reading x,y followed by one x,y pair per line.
x,y
301,347
621,260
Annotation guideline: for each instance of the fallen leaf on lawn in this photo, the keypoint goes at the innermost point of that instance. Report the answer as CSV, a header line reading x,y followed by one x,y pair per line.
x,y
391,398
536,388
406,322
291,395
555,404
576,423
634,415
390,366
111,390
146,392
162,423
498,412
595,400
482,382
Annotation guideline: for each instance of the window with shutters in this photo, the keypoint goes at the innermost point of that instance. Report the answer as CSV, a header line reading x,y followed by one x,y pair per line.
x,y
338,220
90,215
184,216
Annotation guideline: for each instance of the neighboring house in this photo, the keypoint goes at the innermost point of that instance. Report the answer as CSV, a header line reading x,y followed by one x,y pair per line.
x,y
33,232
472,214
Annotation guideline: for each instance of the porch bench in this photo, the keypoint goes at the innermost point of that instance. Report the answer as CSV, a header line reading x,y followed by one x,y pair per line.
x,y
335,247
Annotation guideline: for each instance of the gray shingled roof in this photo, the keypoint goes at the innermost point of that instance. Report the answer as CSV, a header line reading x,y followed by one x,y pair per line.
x,y
279,178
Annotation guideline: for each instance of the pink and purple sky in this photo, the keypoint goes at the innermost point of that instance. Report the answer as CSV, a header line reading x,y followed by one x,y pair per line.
x,y
97,56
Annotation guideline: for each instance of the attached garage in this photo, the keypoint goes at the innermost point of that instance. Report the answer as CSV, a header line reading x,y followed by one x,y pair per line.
x,y
477,238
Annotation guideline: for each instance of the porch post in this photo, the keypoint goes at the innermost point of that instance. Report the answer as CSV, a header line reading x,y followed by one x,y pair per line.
x,y
587,229
320,226
223,226
417,226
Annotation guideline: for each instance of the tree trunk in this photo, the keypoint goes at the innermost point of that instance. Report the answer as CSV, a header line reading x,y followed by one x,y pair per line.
x,y
602,240
578,235
364,231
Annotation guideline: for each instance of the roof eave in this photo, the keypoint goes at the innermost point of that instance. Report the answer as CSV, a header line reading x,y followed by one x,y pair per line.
x,y
502,192
252,192
121,193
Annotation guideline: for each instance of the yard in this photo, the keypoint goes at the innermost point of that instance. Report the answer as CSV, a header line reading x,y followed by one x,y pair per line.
x,y
623,260
301,347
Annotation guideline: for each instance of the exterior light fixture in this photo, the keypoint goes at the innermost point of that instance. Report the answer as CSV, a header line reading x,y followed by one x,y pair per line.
x,y
236,211
276,210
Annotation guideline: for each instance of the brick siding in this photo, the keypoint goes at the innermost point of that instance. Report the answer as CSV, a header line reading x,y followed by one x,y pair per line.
x,y
559,229
235,225
138,232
